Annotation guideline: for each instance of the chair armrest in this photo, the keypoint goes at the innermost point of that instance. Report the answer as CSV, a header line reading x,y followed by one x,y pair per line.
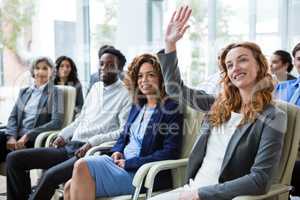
x,y
102,147
139,177
41,139
51,138
275,190
161,166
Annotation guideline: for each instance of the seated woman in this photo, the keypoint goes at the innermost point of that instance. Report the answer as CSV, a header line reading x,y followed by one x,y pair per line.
x,y
66,74
153,132
241,138
36,110
282,65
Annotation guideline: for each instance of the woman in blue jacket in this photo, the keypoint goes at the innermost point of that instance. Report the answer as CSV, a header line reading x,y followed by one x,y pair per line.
x,y
153,132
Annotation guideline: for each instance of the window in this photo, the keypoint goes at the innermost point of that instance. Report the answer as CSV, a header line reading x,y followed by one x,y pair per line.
x,y
103,27
216,23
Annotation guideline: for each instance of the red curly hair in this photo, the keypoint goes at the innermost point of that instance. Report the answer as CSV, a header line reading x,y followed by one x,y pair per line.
x,y
230,99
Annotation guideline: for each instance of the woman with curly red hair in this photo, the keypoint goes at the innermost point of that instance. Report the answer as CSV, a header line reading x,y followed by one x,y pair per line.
x,y
241,138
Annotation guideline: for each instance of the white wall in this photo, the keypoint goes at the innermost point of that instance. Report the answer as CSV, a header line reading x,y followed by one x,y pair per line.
x,y
132,27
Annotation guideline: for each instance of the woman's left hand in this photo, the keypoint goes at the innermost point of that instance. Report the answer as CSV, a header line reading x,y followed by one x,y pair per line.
x,y
189,195
120,163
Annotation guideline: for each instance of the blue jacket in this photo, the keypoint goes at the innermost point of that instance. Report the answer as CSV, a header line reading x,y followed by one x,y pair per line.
x,y
285,90
162,139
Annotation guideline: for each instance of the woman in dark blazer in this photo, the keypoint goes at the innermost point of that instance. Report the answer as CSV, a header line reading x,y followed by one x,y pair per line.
x,y
153,132
66,74
241,137
38,108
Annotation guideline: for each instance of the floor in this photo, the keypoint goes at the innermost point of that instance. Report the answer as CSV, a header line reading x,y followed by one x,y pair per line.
x,y
3,184
2,187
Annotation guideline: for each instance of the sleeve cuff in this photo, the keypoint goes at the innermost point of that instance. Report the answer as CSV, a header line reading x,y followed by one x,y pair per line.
x,y
94,142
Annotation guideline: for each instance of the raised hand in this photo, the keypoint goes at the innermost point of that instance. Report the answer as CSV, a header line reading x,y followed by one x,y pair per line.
x,y
177,27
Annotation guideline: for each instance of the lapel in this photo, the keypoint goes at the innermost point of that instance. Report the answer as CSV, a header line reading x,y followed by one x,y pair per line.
x,y
198,150
133,114
24,98
234,141
152,127
42,103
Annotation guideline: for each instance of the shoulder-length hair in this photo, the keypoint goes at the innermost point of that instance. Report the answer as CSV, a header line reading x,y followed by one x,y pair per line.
x,y
73,76
230,99
38,60
131,77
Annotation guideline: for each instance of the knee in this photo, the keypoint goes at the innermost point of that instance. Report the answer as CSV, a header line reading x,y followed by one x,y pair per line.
x,y
12,160
67,188
50,176
80,167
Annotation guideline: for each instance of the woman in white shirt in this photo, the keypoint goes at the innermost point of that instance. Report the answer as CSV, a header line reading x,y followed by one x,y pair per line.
x,y
241,138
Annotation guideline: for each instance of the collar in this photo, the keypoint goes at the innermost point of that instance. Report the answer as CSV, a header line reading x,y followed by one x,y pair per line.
x,y
296,83
41,88
112,86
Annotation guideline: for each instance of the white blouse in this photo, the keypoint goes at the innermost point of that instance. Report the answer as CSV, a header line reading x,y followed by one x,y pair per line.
x,y
217,143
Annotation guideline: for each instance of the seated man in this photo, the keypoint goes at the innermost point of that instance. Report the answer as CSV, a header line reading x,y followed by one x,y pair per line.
x,y
102,118
95,77
290,91
36,110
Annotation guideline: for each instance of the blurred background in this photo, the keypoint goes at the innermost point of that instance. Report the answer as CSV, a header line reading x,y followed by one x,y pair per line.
x,y
77,28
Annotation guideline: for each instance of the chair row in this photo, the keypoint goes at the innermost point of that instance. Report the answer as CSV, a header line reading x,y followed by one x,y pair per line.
x,y
144,178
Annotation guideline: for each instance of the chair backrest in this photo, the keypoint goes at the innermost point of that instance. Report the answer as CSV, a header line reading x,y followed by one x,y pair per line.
x,y
69,103
191,130
291,143
192,125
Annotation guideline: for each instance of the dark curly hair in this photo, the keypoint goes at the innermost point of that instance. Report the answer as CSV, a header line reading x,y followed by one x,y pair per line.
x,y
131,77
73,77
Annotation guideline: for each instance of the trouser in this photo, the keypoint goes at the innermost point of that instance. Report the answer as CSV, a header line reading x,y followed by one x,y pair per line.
x,y
58,166
296,179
